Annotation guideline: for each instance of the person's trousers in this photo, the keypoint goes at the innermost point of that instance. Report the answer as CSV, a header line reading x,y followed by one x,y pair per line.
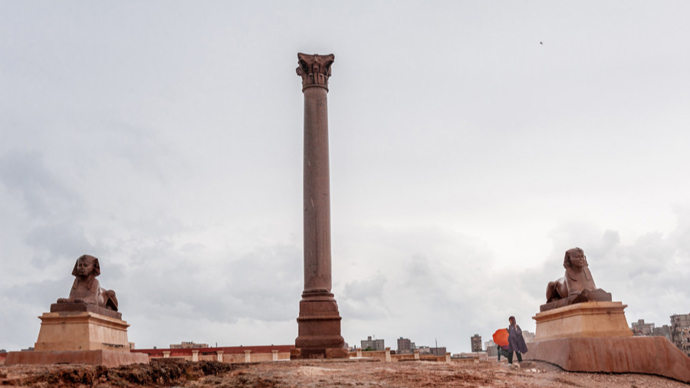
x,y
510,357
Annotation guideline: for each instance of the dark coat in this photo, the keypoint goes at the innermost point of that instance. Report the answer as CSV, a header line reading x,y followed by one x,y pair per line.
x,y
516,342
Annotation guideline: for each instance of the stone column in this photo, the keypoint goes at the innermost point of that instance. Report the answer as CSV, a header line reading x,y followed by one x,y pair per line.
x,y
195,355
219,356
166,354
388,354
275,355
247,356
319,319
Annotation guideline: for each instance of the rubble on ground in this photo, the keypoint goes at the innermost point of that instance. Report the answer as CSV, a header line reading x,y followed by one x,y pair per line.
x,y
304,374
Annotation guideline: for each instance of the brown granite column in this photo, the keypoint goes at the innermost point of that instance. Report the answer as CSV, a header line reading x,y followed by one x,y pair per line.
x,y
319,319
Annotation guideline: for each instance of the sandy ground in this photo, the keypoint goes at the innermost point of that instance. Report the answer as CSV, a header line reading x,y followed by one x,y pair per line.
x,y
170,373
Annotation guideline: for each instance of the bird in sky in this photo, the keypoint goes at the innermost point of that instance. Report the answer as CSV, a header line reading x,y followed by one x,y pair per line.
x,y
541,42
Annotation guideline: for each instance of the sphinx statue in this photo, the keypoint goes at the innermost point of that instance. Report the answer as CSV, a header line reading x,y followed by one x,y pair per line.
x,y
86,288
577,285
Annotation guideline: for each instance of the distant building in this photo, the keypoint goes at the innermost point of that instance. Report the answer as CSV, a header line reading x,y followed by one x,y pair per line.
x,y
640,328
440,351
373,344
663,331
680,332
3,351
528,336
476,341
188,345
405,346
490,348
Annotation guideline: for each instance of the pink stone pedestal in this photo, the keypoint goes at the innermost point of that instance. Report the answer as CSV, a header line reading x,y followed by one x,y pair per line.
x,y
106,358
646,355
319,329
594,337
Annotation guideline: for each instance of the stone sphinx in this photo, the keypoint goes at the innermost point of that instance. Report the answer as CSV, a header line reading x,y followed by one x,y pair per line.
x,y
576,286
84,328
86,289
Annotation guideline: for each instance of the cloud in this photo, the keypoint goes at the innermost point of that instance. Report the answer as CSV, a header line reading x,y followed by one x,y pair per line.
x,y
43,194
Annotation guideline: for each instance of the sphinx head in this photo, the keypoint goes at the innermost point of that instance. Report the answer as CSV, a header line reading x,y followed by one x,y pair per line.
x,y
85,266
575,258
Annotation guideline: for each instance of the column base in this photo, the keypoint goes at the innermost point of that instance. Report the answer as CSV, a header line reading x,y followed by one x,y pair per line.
x,y
319,328
310,354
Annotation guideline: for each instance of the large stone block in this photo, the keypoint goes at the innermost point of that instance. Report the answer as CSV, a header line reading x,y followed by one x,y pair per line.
x,y
106,358
80,331
583,320
648,355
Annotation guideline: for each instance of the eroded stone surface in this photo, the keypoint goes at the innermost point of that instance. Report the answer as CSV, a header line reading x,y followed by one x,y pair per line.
x,y
648,355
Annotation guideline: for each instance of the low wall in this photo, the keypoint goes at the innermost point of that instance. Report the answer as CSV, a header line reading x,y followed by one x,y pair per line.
x,y
230,355
386,356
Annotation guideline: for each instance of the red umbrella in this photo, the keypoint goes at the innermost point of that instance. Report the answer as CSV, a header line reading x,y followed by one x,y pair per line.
x,y
501,337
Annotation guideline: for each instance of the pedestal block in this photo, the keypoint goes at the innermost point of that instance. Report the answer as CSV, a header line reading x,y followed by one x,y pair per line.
x,y
81,331
646,355
108,358
319,329
583,320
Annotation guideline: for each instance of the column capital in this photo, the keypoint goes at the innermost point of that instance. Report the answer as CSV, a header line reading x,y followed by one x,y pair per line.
x,y
314,69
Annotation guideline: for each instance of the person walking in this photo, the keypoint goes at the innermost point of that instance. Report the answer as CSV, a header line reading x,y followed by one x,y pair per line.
x,y
516,342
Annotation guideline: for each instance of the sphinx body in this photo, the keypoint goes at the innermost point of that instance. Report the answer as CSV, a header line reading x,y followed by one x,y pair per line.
x,y
86,288
577,280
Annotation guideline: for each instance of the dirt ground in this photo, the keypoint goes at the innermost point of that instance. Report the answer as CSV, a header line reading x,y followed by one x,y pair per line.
x,y
171,373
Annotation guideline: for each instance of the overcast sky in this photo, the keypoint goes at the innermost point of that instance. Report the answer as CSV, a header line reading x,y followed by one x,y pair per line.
x,y
165,138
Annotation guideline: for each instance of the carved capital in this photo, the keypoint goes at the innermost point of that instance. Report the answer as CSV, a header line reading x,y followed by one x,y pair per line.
x,y
314,69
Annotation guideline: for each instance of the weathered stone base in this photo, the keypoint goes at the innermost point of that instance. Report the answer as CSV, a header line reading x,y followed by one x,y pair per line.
x,y
81,331
646,355
583,320
319,328
311,353
106,358
585,296
79,307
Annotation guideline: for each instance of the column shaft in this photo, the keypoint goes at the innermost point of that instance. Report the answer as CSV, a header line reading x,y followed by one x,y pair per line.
x,y
317,200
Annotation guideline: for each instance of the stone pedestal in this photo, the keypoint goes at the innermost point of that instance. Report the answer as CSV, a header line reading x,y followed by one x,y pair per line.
x,y
80,337
319,319
81,331
582,320
594,337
